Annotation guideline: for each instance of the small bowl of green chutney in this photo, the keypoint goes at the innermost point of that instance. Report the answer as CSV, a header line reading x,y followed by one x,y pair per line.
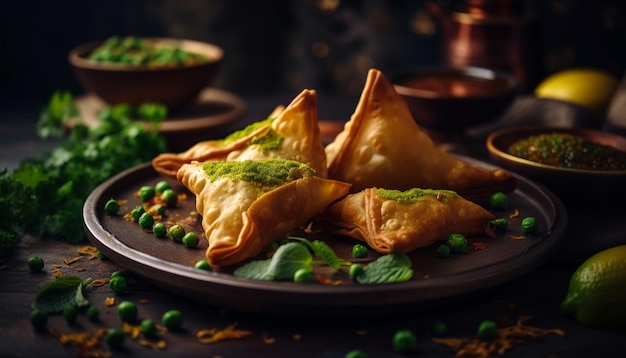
x,y
578,164
136,70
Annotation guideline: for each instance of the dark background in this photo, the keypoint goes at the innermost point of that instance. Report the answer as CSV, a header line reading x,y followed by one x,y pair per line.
x,y
282,45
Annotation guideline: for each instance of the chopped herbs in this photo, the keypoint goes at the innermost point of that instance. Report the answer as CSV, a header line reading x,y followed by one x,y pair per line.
x,y
45,194
569,151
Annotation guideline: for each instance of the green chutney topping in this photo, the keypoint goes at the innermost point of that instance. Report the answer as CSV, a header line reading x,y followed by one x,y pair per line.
x,y
267,172
569,151
414,194
268,140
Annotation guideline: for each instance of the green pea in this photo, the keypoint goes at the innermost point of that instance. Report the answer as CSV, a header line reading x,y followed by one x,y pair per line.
x,y
35,263
357,353
157,209
303,276
137,212
118,284
148,328
529,225
115,338
498,201
162,186
122,273
127,311
170,197
355,270
146,193
38,318
457,243
203,265
172,319
498,224
146,221
443,250
101,255
159,230
93,313
70,313
404,341
177,232
190,239
111,207
487,330
359,251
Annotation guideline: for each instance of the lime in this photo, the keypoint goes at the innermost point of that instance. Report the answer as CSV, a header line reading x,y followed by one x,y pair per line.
x,y
596,295
587,87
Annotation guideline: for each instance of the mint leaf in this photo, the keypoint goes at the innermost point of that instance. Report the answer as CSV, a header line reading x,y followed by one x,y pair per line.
x,y
288,259
326,253
255,270
387,269
63,291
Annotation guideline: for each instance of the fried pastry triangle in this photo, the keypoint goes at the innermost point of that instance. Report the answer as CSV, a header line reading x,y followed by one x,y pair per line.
x,y
246,205
289,133
391,221
382,146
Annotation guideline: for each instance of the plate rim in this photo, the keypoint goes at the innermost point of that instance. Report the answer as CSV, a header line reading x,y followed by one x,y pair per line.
x,y
318,299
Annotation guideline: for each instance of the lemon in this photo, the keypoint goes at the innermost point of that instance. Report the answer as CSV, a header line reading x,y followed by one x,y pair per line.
x,y
587,87
597,290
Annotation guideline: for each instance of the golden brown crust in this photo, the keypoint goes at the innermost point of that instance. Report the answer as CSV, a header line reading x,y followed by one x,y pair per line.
x,y
240,219
297,124
388,226
382,146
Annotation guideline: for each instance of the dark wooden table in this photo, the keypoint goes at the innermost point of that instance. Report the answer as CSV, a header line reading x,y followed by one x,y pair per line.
x,y
536,294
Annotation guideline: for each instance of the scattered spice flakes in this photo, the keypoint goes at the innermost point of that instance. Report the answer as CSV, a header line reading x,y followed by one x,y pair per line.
x,y
109,301
81,269
517,237
85,342
208,336
515,214
134,331
327,281
507,337
161,344
99,282
478,246
92,251
143,301
267,339
72,260
296,336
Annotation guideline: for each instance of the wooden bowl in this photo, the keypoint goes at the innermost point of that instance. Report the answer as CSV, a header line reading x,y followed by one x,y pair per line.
x,y
572,185
172,86
449,99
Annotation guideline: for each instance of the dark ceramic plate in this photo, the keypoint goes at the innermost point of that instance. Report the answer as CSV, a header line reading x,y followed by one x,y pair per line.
x,y
569,184
436,281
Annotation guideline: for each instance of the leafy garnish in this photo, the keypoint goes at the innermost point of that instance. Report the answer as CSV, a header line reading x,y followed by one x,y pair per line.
x,y
322,250
45,195
63,291
387,269
288,259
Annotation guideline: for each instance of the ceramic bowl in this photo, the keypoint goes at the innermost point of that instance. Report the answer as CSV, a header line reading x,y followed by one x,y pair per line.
x,y
172,86
449,99
570,184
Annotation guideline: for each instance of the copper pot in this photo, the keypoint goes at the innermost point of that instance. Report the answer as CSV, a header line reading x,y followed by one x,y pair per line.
x,y
492,34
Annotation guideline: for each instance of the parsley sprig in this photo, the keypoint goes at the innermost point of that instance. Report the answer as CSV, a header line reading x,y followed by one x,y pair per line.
x,y
44,195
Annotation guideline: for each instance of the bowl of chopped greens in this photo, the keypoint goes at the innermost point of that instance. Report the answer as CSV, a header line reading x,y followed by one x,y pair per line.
x,y
136,70
580,164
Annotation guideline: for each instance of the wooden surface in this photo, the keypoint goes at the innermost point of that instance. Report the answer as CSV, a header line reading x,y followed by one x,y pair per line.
x,y
536,294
